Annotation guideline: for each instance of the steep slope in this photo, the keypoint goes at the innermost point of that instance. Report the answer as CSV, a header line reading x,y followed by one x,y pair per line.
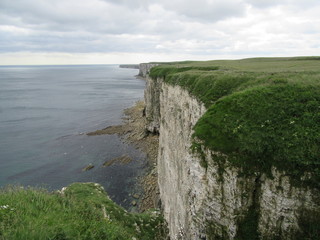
x,y
238,148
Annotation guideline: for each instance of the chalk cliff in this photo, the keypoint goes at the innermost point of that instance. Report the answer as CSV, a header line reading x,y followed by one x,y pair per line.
x,y
218,201
144,68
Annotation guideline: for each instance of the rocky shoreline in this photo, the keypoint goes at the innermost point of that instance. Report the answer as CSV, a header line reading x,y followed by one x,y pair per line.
x,y
133,131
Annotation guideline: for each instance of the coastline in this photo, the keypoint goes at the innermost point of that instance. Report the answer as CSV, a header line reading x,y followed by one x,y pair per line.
x,y
41,144
133,131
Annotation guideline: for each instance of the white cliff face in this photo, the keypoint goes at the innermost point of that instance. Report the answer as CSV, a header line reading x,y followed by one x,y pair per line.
x,y
144,68
194,199
178,173
283,205
152,100
213,202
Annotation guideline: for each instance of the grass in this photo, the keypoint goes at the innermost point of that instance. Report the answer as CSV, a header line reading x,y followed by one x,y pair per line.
x,y
262,112
271,65
83,211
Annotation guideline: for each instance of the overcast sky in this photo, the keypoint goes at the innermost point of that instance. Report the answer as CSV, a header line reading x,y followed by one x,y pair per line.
x,y
134,31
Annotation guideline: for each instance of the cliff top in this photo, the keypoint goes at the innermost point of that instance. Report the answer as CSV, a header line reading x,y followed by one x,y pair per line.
x,y
80,211
262,112
277,64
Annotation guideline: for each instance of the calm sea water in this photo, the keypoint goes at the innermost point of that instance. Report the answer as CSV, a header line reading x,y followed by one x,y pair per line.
x,y
44,111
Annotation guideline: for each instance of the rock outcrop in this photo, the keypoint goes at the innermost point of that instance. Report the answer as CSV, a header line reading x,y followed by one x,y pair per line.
x,y
144,68
152,101
218,201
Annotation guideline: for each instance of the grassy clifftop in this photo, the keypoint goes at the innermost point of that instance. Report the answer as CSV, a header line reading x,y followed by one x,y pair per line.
x,y
81,211
262,112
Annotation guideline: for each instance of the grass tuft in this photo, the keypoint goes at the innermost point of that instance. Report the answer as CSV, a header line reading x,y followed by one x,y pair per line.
x,y
82,211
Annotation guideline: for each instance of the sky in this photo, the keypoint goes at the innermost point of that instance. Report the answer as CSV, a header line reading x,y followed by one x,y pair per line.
x,y
135,31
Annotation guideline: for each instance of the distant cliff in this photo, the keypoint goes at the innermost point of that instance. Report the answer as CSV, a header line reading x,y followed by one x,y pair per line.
x,y
133,66
235,192
144,68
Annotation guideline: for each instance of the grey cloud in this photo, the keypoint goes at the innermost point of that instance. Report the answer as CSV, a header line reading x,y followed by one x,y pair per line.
x,y
166,26
102,30
73,43
264,3
131,3
62,16
298,4
116,17
205,10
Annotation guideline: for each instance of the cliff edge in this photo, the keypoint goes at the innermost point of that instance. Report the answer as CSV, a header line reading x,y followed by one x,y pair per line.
x,y
238,147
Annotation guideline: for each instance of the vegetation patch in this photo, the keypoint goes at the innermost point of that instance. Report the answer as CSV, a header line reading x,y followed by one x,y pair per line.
x,y
265,126
262,112
248,227
81,211
216,232
309,226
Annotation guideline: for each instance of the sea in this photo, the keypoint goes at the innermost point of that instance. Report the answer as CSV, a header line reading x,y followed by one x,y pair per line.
x,y
45,112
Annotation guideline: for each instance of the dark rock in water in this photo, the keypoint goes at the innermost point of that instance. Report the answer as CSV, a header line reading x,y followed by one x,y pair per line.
x,y
136,196
118,129
124,159
87,168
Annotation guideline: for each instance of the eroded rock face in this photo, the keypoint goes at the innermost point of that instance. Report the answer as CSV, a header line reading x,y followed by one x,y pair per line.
x,y
286,208
179,174
219,201
144,68
152,100
196,201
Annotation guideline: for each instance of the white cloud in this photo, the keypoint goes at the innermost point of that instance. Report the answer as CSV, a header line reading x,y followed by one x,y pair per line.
x,y
206,10
298,4
264,3
197,29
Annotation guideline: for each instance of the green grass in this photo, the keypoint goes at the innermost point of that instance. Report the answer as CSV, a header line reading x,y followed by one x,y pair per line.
x,y
84,211
262,112
293,64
